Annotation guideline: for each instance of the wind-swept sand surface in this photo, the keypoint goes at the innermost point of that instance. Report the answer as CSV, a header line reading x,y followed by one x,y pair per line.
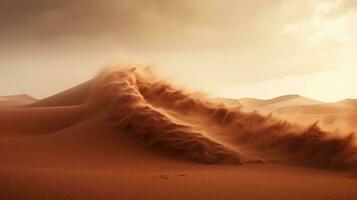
x,y
127,134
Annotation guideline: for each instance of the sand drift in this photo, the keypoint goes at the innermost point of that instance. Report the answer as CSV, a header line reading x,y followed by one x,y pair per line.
x,y
186,125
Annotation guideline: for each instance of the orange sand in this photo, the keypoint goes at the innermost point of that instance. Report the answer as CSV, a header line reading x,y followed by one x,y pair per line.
x,y
129,135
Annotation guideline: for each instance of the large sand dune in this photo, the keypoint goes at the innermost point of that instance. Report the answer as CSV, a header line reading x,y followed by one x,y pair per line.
x,y
127,134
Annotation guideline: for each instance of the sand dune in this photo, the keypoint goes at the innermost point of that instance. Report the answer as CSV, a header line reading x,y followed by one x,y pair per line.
x,y
23,121
16,100
73,96
340,115
297,105
326,108
278,102
128,134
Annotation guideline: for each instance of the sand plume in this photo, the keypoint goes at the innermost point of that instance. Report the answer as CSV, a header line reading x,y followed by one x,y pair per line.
x,y
119,93
190,126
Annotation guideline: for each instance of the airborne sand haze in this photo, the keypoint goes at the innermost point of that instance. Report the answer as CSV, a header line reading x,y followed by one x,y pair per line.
x,y
307,45
275,117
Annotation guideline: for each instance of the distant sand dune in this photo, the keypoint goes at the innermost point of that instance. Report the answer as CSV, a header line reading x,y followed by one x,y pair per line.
x,y
282,101
16,100
74,96
340,116
328,108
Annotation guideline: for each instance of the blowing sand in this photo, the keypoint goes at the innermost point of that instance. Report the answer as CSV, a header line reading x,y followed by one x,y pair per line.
x,y
127,134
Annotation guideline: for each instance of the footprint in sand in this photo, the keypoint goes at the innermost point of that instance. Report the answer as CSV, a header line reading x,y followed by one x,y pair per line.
x,y
166,177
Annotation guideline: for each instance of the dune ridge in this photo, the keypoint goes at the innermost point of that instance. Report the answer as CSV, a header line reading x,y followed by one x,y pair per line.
x,y
160,114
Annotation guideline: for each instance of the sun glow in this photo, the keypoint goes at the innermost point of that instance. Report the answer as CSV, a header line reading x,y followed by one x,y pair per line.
x,y
332,85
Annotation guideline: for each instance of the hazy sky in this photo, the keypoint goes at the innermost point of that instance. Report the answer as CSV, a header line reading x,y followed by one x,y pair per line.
x,y
231,48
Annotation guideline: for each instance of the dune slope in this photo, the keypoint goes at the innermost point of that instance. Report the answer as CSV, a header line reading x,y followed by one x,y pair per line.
x,y
16,100
73,96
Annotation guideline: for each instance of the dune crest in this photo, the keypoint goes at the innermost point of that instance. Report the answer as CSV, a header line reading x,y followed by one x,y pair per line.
x,y
190,126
